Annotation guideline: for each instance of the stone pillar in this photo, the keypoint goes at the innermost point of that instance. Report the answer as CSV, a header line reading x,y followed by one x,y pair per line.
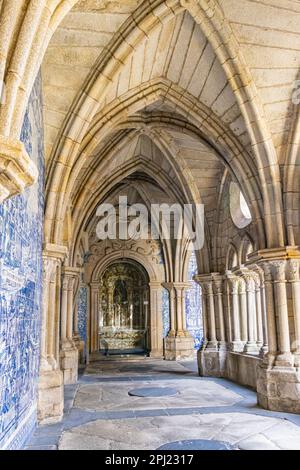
x,y
278,380
264,348
179,344
50,387
212,356
156,320
284,358
212,343
236,342
270,314
69,355
251,345
243,311
64,310
294,280
259,313
218,292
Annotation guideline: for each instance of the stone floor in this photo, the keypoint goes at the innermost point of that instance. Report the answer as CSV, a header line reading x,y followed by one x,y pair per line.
x,y
198,413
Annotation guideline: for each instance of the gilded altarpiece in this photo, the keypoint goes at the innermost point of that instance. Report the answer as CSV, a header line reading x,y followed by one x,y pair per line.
x,y
124,309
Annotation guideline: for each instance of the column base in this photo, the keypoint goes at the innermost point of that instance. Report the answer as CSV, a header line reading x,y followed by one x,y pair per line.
x,y
212,346
69,358
251,348
263,351
278,388
180,347
50,397
212,363
156,354
237,346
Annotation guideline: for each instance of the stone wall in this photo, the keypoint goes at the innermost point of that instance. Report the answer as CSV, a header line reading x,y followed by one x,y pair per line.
x,y
242,368
21,228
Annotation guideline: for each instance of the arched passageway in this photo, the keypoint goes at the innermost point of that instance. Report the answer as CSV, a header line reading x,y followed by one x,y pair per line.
x,y
158,104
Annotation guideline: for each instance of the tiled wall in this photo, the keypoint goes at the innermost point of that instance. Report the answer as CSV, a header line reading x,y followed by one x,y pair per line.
x,y
166,311
193,305
21,225
82,314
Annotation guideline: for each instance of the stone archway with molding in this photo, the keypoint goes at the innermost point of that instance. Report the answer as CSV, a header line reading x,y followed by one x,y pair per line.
x,y
156,279
169,101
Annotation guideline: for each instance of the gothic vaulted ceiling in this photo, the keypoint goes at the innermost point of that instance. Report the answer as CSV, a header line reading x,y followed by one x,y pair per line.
x,y
116,70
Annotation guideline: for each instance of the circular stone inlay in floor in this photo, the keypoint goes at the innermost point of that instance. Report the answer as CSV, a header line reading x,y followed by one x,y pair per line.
x,y
198,444
153,392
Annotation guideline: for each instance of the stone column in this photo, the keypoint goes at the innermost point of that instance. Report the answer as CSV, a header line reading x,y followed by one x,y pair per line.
x,y
64,311
69,355
284,358
52,313
243,311
218,291
50,387
213,355
204,313
156,320
278,381
179,344
259,312
270,314
264,348
49,278
236,343
294,280
251,345
212,334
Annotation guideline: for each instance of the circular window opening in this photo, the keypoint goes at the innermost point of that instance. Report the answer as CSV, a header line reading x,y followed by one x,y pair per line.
x,y
239,209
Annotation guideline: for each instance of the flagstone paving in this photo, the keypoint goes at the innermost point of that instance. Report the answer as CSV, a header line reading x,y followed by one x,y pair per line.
x,y
204,413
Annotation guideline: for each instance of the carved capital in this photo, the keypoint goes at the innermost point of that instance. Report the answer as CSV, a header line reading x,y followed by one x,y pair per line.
x,y
17,170
49,270
217,284
293,269
250,279
242,287
233,282
279,270
65,283
208,287
55,252
268,273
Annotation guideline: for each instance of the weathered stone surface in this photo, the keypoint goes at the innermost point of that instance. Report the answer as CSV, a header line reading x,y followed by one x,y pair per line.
x,y
179,348
50,397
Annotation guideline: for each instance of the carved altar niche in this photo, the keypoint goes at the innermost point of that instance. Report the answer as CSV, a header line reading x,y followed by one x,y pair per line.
x,y
123,308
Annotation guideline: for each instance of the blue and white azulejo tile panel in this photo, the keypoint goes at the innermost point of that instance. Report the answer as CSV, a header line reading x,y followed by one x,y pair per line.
x,y
21,231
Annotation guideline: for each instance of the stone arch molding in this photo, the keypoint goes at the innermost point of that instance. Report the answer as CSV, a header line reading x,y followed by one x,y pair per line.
x,y
156,278
201,123
155,274
26,28
44,17
291,187
219,33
